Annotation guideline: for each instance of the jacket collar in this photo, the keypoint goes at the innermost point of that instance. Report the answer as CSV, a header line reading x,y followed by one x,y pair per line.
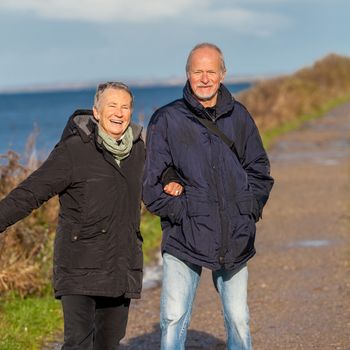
x,y
136,132
82,122
225,101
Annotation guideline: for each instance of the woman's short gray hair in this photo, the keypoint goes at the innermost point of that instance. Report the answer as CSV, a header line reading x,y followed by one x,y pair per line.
x,y
202,46
111,85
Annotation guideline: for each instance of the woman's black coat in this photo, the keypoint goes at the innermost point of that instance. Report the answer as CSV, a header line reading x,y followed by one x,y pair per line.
x,y
98,245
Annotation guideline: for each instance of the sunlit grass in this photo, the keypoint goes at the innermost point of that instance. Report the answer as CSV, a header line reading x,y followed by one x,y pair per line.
x,y
152,236
28,322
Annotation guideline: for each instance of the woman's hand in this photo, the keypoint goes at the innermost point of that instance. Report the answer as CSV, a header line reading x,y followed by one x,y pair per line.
x,y
173,189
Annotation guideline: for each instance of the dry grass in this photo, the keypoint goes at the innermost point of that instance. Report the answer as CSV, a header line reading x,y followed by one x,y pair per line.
x,y
26,248
281,100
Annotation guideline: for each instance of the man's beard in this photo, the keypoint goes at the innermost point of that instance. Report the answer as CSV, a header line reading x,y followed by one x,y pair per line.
x,y
205,97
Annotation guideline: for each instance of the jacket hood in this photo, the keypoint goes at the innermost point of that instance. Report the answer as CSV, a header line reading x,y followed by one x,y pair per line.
x,y
225,102
82,122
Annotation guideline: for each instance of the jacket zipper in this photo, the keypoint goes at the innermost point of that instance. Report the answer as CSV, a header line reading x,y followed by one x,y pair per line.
x,y
223,247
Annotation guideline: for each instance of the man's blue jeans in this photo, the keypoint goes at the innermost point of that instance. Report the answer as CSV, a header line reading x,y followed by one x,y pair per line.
x,y
180,281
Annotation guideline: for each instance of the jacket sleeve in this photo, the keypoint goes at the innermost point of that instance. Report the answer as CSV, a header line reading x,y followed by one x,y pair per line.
x,y
51,178
257,166
170,175
158,160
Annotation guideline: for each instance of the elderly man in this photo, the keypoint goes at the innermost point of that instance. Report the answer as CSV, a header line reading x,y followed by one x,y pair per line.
x,y
96,169
215,147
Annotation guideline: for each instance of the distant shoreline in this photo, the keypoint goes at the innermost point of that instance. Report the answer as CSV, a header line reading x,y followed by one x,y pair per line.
x,y
145,83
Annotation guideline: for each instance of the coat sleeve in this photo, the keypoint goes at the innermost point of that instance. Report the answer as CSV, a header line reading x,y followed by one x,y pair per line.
x,y
257,166
51,178
158,160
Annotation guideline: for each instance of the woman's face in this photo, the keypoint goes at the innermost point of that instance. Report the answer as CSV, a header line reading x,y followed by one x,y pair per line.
x,y
113,112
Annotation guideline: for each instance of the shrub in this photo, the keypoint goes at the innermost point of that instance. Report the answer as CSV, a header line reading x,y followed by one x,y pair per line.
x,y
26,248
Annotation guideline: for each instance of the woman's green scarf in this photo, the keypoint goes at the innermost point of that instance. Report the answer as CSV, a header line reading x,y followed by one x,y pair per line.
x,y
121,148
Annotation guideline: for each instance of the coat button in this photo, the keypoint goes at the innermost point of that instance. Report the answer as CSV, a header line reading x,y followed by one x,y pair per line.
x,y
75,237
103,230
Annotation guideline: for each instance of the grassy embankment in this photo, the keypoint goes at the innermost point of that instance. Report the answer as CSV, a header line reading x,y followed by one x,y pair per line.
x,y
27,322
283,104
28,313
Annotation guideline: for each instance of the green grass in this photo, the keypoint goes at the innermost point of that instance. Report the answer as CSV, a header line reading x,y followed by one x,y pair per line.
x,y
26,323
152,236
270,136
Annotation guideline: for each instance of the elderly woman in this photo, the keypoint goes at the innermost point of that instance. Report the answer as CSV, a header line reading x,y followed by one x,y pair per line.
x,y
96,170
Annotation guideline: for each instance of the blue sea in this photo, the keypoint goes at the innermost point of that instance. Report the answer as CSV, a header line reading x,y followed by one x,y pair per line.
x,y
46,113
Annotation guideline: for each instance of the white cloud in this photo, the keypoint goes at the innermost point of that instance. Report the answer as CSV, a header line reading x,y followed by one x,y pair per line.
x,y
200,12
246,21
264,2
103,10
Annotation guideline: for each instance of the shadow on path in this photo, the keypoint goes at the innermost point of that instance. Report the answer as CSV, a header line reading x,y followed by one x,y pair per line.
x,y
195,340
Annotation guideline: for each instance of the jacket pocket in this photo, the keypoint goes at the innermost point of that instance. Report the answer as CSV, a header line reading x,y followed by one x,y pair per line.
x,y
242,229
245,202
80,248
197,208
90,230
198,227
248,205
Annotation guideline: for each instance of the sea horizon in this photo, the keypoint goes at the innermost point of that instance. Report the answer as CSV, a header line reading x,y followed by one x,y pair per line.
x,y
132,83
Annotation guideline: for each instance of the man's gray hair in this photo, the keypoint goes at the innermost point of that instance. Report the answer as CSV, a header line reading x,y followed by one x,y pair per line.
x,y
111,85
202,46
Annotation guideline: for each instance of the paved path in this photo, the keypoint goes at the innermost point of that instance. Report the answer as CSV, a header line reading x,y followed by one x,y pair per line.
x,y
299,286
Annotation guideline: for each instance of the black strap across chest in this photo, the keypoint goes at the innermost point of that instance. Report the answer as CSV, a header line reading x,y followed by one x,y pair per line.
x,y
211,126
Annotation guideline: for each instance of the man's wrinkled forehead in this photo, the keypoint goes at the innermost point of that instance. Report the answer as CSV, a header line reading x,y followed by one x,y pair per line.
x,y
208,55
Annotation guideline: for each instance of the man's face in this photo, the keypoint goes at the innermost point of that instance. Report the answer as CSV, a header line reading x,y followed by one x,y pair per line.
x,y
114,112
205,75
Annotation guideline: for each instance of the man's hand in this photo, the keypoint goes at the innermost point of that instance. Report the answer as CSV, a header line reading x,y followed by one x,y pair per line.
x,y
173,189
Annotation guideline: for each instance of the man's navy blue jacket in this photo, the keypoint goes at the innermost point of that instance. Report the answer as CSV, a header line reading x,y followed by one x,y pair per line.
x,y
212,223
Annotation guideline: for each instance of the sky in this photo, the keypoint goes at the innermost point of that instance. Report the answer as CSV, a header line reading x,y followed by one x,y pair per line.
x,y
58,42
